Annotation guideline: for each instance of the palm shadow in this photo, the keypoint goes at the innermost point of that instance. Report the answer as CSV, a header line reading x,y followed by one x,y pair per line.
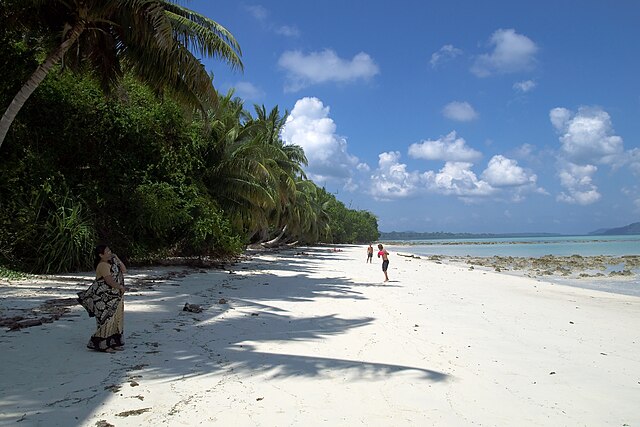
x,y
242,313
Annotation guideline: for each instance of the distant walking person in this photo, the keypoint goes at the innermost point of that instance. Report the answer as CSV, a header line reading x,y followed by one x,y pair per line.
x,y
385,261
370,253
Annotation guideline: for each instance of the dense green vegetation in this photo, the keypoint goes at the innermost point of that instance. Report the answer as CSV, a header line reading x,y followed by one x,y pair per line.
x,y
135,169
154,40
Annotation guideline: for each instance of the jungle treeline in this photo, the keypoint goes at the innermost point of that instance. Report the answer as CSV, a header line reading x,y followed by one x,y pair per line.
x,y
131,167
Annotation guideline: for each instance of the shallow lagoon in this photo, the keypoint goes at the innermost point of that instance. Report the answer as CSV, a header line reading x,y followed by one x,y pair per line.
x,y
526,246
593,262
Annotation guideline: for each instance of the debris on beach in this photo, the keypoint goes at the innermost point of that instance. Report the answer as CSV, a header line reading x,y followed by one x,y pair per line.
x,y
48,312
114,388
193,308
133,412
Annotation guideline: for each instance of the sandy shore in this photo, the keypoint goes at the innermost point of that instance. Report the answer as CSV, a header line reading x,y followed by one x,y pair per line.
x,y
310,337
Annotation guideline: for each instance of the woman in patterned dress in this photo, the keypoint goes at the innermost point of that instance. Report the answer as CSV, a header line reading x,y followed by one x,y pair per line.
x,y
104,300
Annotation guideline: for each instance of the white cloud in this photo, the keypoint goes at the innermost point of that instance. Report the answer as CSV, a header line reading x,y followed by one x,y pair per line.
x,y
457,178
504,172
559,118
445,54
391,180
503,177
512,52
525,86
448,148
460,111
577,180
246,90
587,136
325,66
310,127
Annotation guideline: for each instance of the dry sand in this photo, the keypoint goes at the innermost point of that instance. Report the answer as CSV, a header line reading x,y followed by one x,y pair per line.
x,y
310,337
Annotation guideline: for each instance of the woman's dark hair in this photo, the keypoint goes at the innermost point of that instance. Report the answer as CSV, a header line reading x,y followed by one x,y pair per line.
x,y
97,251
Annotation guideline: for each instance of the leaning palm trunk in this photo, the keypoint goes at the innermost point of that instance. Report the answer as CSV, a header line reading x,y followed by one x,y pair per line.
x,y
274,242
36,78
156,40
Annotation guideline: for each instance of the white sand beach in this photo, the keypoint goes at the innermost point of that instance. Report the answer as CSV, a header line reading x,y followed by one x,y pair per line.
x,y
311,337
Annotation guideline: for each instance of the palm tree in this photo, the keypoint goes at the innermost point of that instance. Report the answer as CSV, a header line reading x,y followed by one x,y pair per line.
x,y
251,173
154,39
286,164
235,167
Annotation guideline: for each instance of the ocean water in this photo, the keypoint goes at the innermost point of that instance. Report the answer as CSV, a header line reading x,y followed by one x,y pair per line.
x,y
534,247
525,246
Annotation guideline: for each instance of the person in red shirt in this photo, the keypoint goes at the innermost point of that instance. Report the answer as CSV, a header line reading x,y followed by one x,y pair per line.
x,y
382,252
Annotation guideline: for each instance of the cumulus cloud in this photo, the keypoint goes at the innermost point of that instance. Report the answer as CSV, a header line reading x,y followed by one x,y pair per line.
x,y
587,139
310,127
448,148
524,86
392,180
502,177
457,178
587,136
459,111
577,180
326,66
445,54
512,52
559,118
504,172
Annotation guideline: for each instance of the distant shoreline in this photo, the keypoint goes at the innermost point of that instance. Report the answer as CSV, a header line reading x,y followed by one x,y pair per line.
x,y
409,237
466,241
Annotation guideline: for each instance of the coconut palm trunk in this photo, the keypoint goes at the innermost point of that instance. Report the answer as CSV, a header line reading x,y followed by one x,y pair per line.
x,y
36,78
155,40
276,241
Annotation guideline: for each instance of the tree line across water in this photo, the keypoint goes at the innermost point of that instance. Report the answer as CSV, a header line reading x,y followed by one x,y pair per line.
x,y
131,162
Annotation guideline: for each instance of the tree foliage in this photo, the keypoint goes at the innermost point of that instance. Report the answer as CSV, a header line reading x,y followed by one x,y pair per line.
x,y
154,40
136,171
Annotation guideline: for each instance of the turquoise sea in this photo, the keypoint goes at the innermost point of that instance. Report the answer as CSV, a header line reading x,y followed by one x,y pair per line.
x,y
533,247
525,246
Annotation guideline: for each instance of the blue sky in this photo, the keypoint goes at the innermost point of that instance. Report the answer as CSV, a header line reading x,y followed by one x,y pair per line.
x,y
459,116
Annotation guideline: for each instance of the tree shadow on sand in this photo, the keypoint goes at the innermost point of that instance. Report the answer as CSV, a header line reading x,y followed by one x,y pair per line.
x,y
166,343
